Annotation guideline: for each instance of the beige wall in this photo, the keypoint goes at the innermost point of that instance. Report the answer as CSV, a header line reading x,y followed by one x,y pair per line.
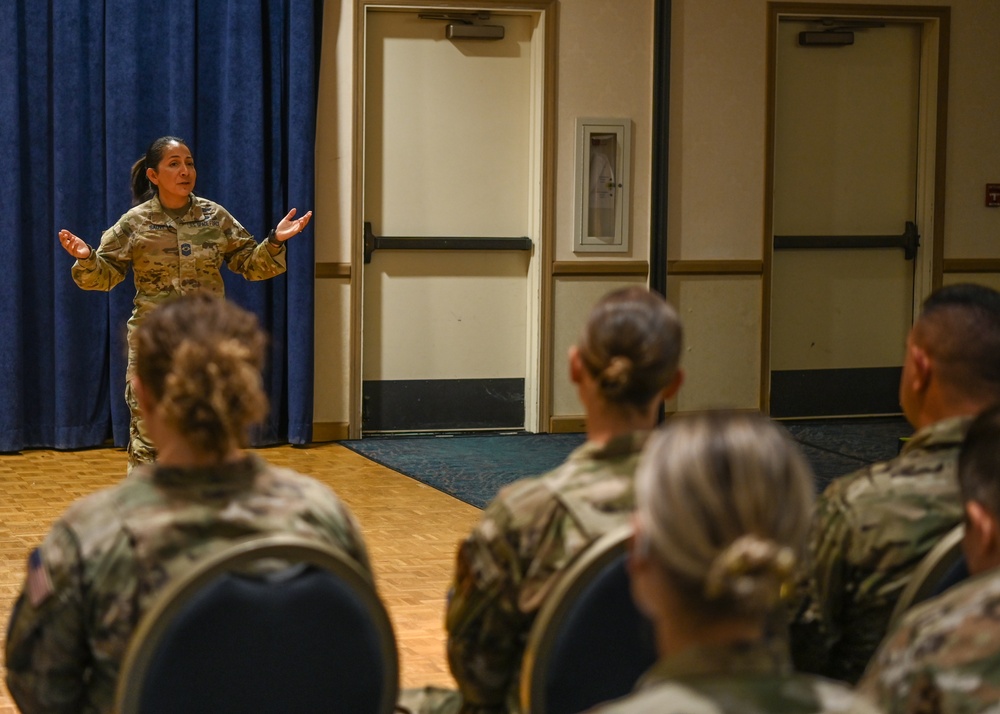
x,y
605,70
973,231
717,163
718,123
332,222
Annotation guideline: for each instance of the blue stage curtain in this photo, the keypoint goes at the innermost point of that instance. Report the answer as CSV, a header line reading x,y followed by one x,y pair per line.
x,y
85,86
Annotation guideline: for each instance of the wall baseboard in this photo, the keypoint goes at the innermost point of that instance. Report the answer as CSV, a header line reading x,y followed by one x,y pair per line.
x,y
835,392
567,424
442,404
324,431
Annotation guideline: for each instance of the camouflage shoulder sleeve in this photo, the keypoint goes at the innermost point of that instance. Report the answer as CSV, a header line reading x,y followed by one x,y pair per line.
x,y
106,265
244,255
46,650
486,628
943,656
325,512
874,684
819,595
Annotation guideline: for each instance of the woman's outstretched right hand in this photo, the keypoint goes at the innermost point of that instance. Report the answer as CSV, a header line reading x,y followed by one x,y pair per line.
x,y
74,245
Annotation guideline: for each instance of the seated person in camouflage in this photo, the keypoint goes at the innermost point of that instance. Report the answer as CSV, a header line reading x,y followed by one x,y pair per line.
x,y
872,528
198,380
176,243
624,365
723,501
945,655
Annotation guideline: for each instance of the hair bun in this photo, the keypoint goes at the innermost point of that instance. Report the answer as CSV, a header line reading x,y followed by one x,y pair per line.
x,y
616,377
750,570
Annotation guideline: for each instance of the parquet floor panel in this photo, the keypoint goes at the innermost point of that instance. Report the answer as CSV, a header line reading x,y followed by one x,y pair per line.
x,y
411,531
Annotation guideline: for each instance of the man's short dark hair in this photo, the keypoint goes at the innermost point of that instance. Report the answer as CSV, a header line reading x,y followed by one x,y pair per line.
x,y
959,326
979,462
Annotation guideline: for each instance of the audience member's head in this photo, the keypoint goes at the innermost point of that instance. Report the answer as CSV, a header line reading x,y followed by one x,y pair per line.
x,y
952,363
723,503
979,478
629,351
198,363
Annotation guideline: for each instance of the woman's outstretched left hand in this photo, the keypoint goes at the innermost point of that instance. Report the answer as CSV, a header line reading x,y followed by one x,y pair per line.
x,y
290,225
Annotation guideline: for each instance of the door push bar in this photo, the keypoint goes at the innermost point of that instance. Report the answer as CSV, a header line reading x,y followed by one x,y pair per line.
x,y
909,242
374,242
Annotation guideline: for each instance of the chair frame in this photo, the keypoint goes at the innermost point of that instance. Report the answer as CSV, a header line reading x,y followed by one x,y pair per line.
x,y
928,573
543,634
294,549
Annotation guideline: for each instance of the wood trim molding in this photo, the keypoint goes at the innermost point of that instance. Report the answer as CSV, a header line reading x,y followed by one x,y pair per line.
x,y
357,213
333,270
324,431
549,91
971,265
567,424
600,267
715,267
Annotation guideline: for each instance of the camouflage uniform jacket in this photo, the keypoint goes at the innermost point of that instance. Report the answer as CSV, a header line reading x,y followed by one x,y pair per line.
x,y
507,566
870,530
171,258
945,654
734,679
108,556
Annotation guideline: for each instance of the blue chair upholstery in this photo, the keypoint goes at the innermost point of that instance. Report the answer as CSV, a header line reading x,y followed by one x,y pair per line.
x,y
958,572
589,643
310,635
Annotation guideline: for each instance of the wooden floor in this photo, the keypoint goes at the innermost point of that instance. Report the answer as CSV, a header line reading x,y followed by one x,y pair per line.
x,y
411,531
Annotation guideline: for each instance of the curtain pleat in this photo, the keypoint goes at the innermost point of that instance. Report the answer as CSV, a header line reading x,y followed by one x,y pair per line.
x,y
87,85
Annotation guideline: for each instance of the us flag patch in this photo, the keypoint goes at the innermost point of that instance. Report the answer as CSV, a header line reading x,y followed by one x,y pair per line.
x,y
39,582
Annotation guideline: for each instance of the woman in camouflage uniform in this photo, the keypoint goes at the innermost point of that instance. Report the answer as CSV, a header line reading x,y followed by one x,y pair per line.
x,y
175,242
722,510
105,560
623,366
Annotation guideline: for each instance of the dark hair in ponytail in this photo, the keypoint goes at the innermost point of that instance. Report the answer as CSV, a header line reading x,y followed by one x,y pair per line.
x,y
142,189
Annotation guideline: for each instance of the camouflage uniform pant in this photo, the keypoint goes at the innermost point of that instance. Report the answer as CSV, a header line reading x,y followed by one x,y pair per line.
x,y
140,448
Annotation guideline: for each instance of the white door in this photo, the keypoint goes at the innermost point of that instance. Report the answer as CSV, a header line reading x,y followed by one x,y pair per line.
x,y
844,197
447,154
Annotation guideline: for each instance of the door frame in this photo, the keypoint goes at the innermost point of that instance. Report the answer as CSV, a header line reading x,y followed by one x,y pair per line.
x,y
932,123
537,387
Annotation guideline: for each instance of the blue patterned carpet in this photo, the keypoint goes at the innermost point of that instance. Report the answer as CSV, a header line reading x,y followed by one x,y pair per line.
x,y
473,468
470,468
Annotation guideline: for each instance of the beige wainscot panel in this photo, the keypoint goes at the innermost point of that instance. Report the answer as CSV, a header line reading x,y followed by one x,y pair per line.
x,y
459,315
331,388
722,327
990,280
573,297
